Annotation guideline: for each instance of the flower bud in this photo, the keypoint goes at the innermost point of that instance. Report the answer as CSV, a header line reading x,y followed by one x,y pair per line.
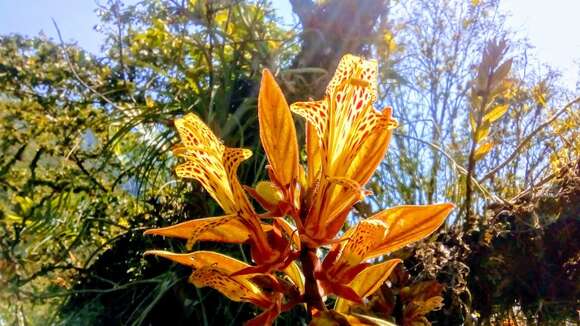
x,y
269,192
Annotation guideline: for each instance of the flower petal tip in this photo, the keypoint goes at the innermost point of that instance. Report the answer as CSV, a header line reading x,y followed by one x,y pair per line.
x,y
153,253
149,232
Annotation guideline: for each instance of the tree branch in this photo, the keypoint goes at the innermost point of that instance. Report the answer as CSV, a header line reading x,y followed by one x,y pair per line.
x,y
526,140
303,9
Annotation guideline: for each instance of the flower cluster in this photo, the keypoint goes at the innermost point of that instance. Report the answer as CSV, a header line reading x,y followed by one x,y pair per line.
x,y
306,207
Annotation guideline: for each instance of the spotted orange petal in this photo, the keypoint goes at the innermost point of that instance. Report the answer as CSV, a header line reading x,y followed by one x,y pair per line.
x,y
330,207
227,229
368,282
277,132
316,113
367,235
215,167
314,155
208,170
352,139
345,120
211,163
194,133
371,150
349,97
235,288
202,258
408,224
214,270
347,71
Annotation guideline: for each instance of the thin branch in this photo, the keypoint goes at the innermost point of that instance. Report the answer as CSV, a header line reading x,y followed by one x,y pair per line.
x,y
16,157
526,140
47,269
534,186
94,180
72,292
78,77
458,166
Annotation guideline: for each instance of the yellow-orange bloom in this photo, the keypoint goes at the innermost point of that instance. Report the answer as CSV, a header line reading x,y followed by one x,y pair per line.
x,y
215,166
346,266
346,139
213,269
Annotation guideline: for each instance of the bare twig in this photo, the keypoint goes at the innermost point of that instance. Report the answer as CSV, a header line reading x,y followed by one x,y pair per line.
x,y
528,138
458,166
91,177
534,186
48,295
78,77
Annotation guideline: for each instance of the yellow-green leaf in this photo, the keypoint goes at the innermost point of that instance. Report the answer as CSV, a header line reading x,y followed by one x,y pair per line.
x,y
482,131
472,123
496,113
482,150
540,93
149,102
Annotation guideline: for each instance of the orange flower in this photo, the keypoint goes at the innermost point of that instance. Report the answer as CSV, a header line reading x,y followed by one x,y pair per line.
x,y
217,271
215,166
345,270
346,139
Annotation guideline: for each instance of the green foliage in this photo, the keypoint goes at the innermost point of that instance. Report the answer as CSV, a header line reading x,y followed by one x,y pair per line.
x,y
85,141
59,203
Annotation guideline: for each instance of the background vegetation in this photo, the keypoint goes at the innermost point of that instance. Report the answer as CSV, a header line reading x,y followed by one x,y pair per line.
x,y
86,163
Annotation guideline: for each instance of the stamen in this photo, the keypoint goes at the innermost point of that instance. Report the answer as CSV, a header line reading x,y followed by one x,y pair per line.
x,y
359,82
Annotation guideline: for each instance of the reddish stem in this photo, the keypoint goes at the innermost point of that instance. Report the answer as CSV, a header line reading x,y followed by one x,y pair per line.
x,y
312,292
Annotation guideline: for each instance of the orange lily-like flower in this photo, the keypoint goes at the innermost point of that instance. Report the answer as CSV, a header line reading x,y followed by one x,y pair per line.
x,y
346,139
215,166
217,271
345,270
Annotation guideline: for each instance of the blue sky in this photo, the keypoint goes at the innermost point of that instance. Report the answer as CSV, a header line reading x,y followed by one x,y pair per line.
x,y
552,26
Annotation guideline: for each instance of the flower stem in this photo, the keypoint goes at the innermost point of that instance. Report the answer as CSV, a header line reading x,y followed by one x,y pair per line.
x,y
312,295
